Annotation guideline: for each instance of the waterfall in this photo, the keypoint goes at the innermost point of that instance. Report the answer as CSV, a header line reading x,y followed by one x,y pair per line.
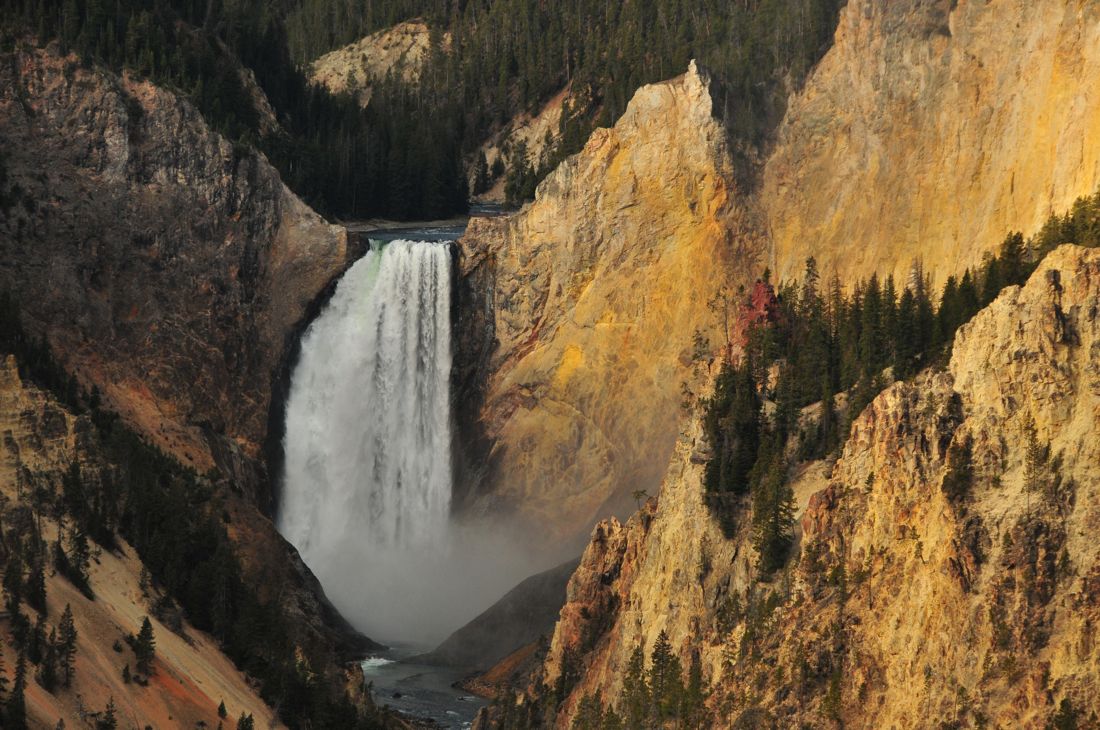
x,y
367,490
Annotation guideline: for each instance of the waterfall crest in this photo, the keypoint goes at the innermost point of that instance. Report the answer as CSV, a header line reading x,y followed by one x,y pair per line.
x,y
367,489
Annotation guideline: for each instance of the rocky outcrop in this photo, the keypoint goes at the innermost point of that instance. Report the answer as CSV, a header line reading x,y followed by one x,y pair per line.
x,y
355,68
535,134
588,312
170,268
941,574
932,129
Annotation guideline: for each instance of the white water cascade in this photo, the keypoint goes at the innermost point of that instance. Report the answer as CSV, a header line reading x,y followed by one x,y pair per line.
x,y
367,489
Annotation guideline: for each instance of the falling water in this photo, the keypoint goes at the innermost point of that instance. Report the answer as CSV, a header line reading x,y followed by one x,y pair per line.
x,y
368,436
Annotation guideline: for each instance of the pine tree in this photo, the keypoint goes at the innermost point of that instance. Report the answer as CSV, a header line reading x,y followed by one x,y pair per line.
x,y
16,715
246,722
13,584
145,647
634,703
960,472
36,645
773,514
695,694
611,720
109,721
665,680
589,713
222,712
872,354
36,587
67,635
1012,259
1036,474
906,335
733,427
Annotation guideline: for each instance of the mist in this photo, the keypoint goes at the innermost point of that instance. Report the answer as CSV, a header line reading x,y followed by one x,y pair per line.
x,y
367,486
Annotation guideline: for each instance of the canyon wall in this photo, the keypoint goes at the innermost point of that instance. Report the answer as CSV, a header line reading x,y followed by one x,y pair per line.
x,y
41,440
166,266
171,271
586,315
915,595
928,132
932,129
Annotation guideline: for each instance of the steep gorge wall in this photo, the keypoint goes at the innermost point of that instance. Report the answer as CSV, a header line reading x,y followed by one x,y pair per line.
x,y
580,312
166,266
41,438
933,128
926,605
928,132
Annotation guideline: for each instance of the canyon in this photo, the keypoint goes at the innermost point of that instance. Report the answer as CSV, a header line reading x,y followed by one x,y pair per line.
x,y
586,302
171,274
906,599
174,273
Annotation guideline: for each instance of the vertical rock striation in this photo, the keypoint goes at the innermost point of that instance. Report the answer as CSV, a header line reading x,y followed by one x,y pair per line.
x,y
583,311
932,129
915,596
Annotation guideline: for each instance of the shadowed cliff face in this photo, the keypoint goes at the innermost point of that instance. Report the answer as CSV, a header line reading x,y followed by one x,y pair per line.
x,y
931,129
165,266
584,309
42,439
927,601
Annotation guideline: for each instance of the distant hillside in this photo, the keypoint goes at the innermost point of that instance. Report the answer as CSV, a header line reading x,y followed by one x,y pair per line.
x,y
510,57
231,60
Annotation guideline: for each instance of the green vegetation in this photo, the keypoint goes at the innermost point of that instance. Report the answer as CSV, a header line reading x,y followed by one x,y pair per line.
x,y
397,158
659,697
822,342
175,520
403,156
144,646
513,55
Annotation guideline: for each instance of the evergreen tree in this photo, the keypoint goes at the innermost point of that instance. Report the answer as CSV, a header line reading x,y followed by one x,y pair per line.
x,y
67,635
145,647
36,586
733,427
47,673
589,713
872,350
968,298
222,712
692,713
3,679
949,316
1012,258
773,511
906,336
635,701
960,472
246,722
108,721
611,720
16,715
36,646
665,680
1036,474
13,584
